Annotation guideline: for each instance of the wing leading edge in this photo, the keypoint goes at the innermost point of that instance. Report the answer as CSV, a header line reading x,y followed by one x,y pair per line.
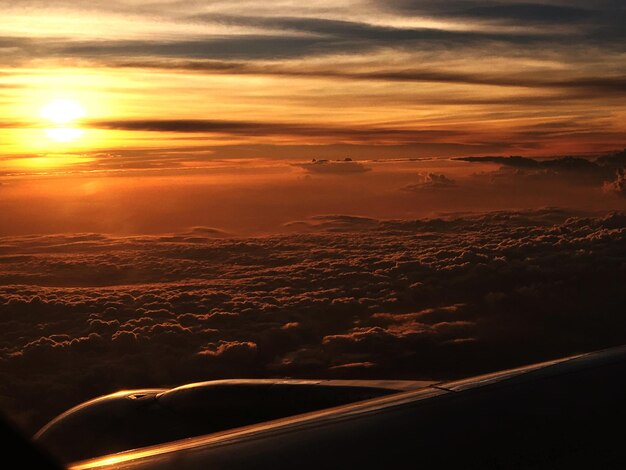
x,y
558,414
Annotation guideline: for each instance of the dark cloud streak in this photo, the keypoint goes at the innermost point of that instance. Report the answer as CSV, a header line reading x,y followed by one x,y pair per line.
x,y
248,128
586,85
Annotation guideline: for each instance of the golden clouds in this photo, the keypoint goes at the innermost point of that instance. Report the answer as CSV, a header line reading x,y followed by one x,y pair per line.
x,y
362,74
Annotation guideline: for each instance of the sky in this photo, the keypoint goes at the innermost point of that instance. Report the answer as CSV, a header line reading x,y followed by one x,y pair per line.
x,y
409,189
283,79
156,116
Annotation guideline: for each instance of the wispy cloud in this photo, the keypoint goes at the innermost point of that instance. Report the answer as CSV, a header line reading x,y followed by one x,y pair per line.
x,y
262,128
481,72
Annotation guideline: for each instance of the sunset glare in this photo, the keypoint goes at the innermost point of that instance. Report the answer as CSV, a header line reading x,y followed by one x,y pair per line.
x,y
62,111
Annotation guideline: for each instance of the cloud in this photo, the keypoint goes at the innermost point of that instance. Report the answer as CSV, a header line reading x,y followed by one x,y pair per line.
x,y
263,129
270,37
368,34
230,350
333,223
334,167
515,12
542,73
618,185
597,23
573,164
431,181
209,232
335,37
529,12
574,170
615,160
346,296
582,86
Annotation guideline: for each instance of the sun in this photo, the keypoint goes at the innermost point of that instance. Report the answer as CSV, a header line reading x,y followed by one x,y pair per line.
x,y
63,113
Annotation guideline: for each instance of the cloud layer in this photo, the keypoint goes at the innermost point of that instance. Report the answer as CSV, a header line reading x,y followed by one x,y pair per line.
x,y
340,296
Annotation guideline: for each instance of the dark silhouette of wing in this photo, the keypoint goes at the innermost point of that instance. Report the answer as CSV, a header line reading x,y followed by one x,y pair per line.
x,y
561,414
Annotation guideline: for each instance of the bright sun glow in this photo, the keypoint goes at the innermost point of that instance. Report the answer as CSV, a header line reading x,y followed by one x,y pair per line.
x,y
64,134
62,111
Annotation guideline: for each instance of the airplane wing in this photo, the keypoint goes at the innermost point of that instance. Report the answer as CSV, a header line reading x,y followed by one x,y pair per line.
x,y
567,413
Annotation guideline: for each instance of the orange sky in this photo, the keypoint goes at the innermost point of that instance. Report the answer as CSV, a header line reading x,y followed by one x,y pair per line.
x,y
359,188
361,78
146,117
